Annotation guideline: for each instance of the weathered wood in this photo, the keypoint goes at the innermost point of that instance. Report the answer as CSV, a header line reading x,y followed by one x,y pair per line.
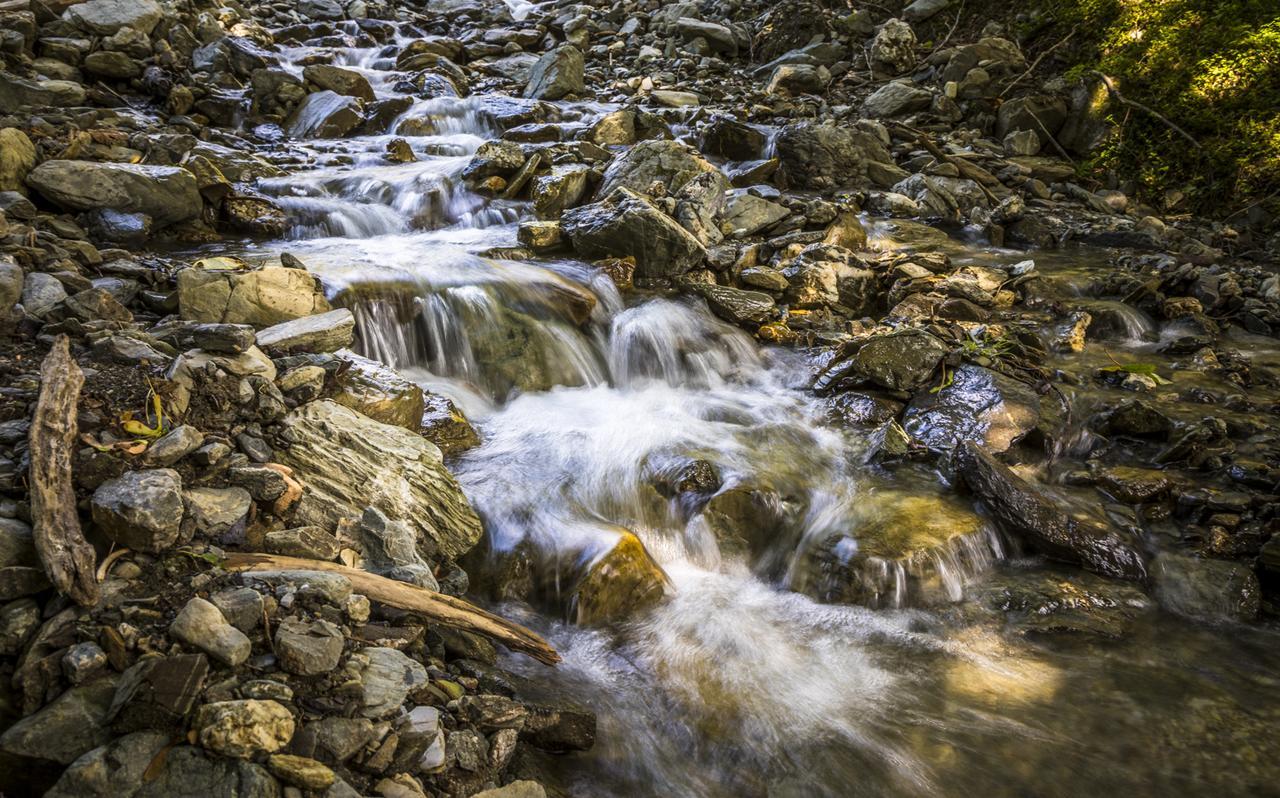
x,y
15,5
68,559
429,604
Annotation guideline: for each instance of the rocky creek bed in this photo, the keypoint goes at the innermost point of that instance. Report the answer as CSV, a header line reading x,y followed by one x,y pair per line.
x,y
466,398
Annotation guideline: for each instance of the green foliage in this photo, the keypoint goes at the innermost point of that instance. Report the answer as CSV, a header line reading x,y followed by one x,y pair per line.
x,y
1210,66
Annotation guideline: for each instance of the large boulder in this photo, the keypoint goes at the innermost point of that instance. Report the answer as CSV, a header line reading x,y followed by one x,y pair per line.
x,y
1042,114
556,74
140,509
899,361
167,194
113,770
625,224
105,17
619,583
339,80
349,462
977,404
324,115
1033,516
72,725
16,92
379,392
261,297
670,163
822,157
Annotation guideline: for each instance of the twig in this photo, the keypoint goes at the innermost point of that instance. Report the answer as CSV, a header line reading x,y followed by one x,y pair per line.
x,y
109,561
1036,62
973,172
1052,140
954,25
1120,98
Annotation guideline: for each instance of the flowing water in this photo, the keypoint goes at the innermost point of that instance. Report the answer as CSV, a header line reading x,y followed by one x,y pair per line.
x,y
739,685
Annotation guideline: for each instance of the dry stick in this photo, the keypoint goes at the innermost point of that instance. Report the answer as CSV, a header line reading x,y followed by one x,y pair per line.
x,y
438,607
1120,98
954,25
68,559
976,173
1036,63
1052,140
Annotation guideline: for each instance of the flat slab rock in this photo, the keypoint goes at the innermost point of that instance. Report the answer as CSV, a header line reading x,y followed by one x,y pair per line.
x,y
350,462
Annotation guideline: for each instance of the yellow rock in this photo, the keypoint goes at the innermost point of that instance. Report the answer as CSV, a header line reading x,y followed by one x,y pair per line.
x,y
620,583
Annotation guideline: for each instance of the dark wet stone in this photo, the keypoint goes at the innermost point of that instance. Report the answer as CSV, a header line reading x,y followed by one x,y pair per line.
x,y
1047,602
1033,516
978,404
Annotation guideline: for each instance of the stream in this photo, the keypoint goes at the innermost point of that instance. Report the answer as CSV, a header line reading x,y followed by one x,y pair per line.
x,y
739,684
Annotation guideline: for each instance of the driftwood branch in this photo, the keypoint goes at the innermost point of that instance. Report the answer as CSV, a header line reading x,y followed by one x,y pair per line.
x,y
429,604
68,559
967,170
1123,100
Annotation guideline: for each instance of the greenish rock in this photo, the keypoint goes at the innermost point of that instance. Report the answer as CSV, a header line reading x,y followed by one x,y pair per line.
x,y
301,772
17,92
168,194
379,392
444,425
63,731
17,159
114,770
1075,603
187,772
900,550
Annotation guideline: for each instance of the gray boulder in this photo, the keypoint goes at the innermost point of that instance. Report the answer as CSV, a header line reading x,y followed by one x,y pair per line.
x,y
822,157
670,163
16,92
140,509
167,194
105,17
324,115
308,648
114,770
386,679
323,332
74,724
557,74
625,224
896,98
187,772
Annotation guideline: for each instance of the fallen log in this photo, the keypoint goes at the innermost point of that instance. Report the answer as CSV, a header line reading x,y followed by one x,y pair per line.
x,y
429,604
67,557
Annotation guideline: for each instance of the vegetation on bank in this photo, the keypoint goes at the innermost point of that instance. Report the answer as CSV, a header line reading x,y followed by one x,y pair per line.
x,y
1210,67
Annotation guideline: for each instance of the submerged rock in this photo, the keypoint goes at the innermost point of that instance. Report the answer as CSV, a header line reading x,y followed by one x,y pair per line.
x,y
1048,602
1206,590
623,581
1033,516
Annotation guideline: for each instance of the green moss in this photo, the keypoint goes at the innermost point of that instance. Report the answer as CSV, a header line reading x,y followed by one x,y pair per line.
x,y
1210,66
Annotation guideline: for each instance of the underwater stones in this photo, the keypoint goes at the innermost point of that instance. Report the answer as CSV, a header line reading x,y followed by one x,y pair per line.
x,y
1052,602
624,225
1206,589
350,462
620,583
900,551
1027,512
167,194
261,297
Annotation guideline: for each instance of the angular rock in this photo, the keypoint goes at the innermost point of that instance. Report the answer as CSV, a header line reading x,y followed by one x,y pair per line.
x,y
1033,516
621,582
114,770
670,163
346,82
386,679
168,194
323,332
444,425
201,625
895,99
350,462
625,224
187,772
979,404
556,74
390,549
379,392
305,541
822,157
737,306
262,297
308,648
157,693
16,92
324,115
900,361
141,510
244,729
73,725
105,17
219,514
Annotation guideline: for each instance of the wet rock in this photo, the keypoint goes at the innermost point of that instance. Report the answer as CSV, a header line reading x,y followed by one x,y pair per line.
x,y
1132,418
1057,603
726,137
386,679
324,115
562,188
340,455
540,236
669,163
201,625
1206,590
115,770
263,297
979,404
822,157
243,729
379,392
900,361
735,305
556,75
1134,485
308,648
168,194
141,510
620,583
70,727
186,772
625,225
346,82
323,332
516,789
444,425
900,550
256,216
1033,516
746,214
